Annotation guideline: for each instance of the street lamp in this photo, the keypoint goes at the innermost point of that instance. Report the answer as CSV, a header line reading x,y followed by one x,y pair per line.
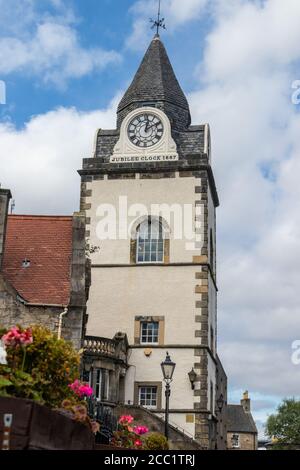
x,y
167,368
192,376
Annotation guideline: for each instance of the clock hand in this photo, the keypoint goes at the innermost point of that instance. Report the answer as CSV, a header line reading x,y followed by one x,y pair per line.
x,y
153,125
147,125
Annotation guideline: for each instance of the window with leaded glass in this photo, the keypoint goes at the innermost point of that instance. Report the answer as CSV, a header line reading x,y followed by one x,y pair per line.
x,y
150,242
149,332
148,396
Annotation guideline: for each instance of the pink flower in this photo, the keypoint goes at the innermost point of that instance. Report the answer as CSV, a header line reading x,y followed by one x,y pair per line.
x,y
80,389
16,337
126,419
86,390
138,443
140,430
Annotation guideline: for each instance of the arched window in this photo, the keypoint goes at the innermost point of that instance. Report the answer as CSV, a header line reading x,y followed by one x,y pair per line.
x,y
150,242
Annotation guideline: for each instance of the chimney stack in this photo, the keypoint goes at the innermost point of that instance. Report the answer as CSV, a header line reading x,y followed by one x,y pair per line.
x,y
246,402
5,196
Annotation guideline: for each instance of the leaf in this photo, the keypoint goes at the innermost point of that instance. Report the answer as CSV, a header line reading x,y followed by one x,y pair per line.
x,y
23,376
5,382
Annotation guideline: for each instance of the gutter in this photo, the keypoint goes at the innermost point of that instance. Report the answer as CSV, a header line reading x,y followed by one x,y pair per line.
x,y
61,315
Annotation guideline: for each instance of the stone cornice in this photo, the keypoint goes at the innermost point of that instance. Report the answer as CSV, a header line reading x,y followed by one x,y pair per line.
x,y
192,162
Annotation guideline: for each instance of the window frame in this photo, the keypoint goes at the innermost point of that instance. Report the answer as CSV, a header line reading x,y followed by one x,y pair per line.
x,y
152,387
100,382
160,255
147,333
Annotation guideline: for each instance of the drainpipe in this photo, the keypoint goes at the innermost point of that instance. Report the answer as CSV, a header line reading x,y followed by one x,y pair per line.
x,y
61,315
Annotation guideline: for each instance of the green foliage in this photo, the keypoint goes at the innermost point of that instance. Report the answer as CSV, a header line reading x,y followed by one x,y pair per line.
x,y
50,365
18,384
156,441
284,426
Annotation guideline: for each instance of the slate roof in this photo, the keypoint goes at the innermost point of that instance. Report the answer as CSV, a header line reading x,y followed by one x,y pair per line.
x,y
155,80
188,142
47,243
239,421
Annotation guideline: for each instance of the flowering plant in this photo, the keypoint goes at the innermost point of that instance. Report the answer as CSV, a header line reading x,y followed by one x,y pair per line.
x,y
126,419
49,375
17,337
81,389
140,430
127,436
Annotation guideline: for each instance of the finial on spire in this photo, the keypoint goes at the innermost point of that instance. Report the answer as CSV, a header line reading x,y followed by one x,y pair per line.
x,y
160,22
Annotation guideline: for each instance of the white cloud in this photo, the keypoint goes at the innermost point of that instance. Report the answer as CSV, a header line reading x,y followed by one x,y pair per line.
x,y
48,46
245,93
260,36
45,156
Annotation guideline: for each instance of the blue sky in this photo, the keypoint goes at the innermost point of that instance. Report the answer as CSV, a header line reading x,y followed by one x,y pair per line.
x,y
66,64
106,24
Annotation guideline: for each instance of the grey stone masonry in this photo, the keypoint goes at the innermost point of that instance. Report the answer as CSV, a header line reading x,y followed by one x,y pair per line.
x,y
96,168
189,142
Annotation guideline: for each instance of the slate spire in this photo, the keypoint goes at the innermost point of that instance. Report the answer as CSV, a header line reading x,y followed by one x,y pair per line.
x,y
155,84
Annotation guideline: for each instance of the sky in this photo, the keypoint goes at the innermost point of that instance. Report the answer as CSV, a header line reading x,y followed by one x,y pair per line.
x,y
65,65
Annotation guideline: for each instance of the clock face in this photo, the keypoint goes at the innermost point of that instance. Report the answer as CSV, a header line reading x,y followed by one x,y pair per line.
x,y
145,130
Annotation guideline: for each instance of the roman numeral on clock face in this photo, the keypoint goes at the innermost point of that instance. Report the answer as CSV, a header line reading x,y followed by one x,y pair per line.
x,y
145,130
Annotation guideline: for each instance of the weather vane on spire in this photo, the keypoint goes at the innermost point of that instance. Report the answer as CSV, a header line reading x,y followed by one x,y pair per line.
x,y
160,22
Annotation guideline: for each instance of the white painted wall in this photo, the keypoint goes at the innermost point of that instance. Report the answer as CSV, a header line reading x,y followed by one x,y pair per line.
x,y
169,191
117,295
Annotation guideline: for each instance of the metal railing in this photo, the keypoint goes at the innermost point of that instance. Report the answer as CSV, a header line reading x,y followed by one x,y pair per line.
x,y
105,416
176,426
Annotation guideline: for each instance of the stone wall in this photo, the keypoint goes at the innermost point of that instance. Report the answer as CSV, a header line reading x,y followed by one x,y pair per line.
x,y
248,441
142,416
13,311
221,438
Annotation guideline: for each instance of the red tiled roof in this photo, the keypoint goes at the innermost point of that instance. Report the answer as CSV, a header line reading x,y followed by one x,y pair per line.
x,y
47,243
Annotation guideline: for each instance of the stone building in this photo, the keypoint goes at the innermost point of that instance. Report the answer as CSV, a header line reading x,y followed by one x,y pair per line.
x,y
241,428
221,408
150,199
44,277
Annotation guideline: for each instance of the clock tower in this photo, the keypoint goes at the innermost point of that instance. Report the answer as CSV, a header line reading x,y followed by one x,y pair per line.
x,y
149,196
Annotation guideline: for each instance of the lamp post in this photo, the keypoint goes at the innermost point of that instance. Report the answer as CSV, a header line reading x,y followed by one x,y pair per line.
x,y
167,368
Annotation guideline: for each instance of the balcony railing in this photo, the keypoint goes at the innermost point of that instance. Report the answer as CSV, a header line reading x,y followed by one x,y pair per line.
x,y
99,346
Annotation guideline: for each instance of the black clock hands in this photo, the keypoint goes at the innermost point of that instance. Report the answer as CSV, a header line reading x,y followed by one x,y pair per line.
x,y
147,128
